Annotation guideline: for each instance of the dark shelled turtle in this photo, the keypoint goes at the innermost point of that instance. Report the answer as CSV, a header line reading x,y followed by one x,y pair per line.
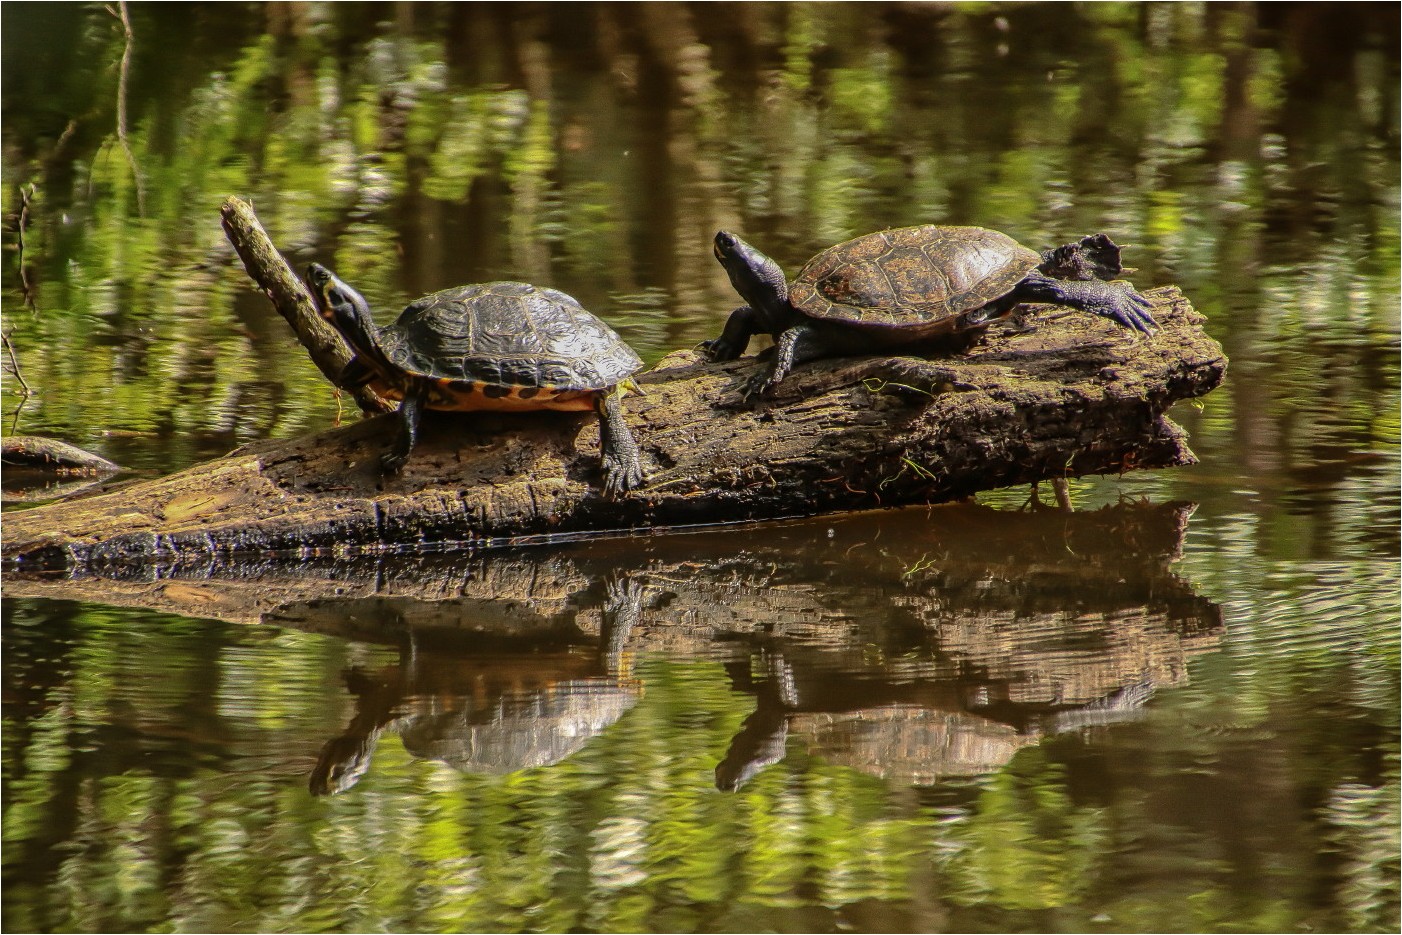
x,y
911,285
498,346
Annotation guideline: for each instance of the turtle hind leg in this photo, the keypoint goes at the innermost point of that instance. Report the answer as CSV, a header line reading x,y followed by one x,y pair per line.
x,y
407,433
618,452
1118,302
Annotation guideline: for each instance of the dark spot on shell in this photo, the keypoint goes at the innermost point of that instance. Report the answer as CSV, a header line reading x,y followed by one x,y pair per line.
x,y
496,392
528,392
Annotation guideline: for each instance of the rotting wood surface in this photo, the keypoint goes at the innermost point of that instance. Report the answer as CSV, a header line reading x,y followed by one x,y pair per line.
x,y
1072,396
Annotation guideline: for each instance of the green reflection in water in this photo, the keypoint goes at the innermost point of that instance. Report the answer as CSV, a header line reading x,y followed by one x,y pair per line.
x,y
937,764
1272,771
442,147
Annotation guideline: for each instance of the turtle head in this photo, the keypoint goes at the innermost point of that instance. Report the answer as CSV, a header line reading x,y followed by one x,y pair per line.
x,y
341,764
757,278
345,310
341,306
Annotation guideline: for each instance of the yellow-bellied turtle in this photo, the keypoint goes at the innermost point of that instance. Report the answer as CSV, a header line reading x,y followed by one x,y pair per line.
x,y
498,346
908,285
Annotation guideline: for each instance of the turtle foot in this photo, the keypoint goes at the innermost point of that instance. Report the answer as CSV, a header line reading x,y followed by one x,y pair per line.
x,y
718,350
757,387
621,477
1130,309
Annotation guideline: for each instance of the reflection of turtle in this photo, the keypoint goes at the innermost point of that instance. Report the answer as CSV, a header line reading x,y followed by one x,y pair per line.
x,y
520,730
502,346
485,710
509,730
908,286
913,727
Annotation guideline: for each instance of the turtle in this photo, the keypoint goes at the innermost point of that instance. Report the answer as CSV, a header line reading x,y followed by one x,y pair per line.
x,y
495,346
929,284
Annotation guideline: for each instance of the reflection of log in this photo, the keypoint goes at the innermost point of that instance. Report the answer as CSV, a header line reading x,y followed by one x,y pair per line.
x,y
1073,396
801,580
911,644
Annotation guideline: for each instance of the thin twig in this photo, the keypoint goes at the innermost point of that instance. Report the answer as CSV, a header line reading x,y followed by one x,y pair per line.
x,y
24,195
14,421
14,366
122,108
64,137
26,198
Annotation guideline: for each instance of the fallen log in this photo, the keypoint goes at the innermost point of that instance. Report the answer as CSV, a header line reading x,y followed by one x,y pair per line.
x,y
52,457
1072,395
38,468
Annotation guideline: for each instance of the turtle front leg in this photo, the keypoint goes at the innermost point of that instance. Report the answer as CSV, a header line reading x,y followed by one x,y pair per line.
x,y
742,325
618,452
408,433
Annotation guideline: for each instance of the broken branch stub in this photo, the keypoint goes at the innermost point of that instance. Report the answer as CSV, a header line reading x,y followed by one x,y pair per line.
x,y
267,268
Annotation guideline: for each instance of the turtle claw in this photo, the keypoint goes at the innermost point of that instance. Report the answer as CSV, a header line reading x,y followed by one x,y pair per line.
x,y
755,388
1142,306
1130,309
718,350
620,477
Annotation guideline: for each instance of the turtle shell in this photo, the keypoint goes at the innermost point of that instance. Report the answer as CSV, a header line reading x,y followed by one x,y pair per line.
x,y
911,277
508,335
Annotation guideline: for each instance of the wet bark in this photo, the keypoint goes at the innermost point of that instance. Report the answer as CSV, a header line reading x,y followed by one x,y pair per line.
x,y
1072,396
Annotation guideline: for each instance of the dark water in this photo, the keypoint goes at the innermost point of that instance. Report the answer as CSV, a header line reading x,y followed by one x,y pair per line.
x,y
1143,716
